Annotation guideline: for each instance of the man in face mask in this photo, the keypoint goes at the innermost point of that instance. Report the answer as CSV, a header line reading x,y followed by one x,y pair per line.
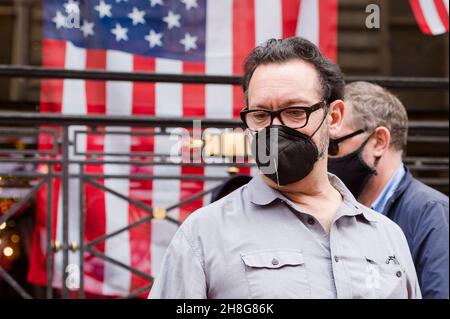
x,y
366,154
294,231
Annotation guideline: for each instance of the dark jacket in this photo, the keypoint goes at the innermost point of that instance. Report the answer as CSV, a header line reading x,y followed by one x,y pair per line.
x,y
422,213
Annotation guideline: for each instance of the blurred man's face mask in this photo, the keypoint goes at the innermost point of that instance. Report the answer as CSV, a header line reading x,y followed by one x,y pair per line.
x,y
352,169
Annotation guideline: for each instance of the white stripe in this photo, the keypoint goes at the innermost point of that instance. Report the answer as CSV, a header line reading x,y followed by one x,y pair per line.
x,y
268,20
73,102
431,15
219,60
446,4
118,102
219,52
308,21
165,192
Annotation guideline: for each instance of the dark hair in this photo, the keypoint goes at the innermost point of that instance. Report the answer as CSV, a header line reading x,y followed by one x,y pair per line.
x,y
284,50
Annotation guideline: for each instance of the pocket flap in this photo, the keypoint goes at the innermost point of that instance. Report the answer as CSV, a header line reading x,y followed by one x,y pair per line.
x,y
275,258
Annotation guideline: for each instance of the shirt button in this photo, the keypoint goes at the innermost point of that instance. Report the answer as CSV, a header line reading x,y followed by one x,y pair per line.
x,y
398,274
336,258
275,261
311,221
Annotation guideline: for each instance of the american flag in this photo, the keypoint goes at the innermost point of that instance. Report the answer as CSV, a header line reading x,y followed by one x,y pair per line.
x,y
167,36
431,15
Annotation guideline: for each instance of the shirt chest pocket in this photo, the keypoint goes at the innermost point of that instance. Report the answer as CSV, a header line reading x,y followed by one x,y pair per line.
x,y
385,278
276,273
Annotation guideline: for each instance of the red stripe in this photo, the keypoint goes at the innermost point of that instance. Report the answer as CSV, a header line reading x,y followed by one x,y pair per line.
x,y
442,11
243,43
328,25
290,9
417,10
95,206
53,55
193,106
143,104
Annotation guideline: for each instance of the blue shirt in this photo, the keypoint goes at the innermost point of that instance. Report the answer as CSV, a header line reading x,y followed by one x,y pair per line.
x,y
380,203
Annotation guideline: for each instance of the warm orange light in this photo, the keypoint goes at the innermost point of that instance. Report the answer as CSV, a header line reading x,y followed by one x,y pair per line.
x,y
15,238
3,226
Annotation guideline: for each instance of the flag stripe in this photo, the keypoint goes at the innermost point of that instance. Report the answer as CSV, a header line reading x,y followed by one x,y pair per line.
x,y
193,106
53,55
428,17
290,9
432,17
267,11
442,10
118,102
308,23
219,53
73,102
328,28
143,104
94,201
165,192
243,43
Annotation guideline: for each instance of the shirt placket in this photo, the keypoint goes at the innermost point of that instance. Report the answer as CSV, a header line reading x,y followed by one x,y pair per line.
x,y
340,272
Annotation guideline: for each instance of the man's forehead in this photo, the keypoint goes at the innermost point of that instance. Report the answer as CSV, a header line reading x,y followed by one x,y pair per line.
x,y
288,83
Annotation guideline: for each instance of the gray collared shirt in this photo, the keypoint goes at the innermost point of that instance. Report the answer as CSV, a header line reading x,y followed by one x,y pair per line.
x,y
255,243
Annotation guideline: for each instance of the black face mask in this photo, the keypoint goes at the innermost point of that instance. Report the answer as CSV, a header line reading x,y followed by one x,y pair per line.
x,y
284,154
353,170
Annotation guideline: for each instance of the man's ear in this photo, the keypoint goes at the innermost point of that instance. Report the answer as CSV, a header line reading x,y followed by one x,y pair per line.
x,y
382,141
336,117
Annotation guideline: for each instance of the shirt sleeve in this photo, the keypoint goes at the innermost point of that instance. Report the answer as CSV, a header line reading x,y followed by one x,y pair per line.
x,y
431,251
182,275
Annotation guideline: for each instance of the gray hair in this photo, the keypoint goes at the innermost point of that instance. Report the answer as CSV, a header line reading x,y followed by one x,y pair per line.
x,y
374,106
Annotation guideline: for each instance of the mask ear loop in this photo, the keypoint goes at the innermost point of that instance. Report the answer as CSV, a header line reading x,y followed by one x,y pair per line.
x,y
377,159
375,164
323,120
320,154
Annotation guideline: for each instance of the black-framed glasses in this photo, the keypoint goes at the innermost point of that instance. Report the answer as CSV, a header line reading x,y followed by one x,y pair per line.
x,y
333,146
293,116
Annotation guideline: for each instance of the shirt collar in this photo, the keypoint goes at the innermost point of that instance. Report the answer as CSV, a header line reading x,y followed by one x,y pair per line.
x,y
262,194
380,203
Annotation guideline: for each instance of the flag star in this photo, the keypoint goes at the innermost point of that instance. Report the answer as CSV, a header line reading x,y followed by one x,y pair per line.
x,y
137,16
87,28
189,42
155,2
172,20
120,32
72,7
154,39
190,4
59,20
104,10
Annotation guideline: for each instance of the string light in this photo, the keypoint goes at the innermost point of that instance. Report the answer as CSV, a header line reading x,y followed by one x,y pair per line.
x,y
15,238
3,226
8,251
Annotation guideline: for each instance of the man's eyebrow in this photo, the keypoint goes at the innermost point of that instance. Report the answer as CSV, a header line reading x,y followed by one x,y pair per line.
x,y
296,102
290,102
260,107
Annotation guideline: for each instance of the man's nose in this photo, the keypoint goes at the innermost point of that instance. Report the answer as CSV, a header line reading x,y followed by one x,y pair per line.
x,y
276,121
